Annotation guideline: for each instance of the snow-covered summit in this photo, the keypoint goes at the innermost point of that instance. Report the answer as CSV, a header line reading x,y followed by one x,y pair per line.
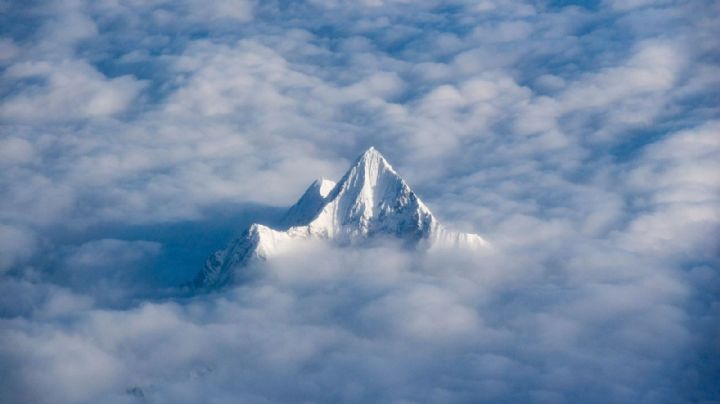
x,y
370,200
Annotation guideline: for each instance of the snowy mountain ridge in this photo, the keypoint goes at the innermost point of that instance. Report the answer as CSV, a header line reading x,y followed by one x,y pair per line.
x,y
370,200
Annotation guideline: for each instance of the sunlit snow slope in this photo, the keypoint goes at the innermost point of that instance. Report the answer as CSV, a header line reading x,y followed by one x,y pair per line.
x,y
371,200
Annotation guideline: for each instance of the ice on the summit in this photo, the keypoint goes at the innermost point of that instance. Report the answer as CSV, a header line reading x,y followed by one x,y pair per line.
x,y
370,200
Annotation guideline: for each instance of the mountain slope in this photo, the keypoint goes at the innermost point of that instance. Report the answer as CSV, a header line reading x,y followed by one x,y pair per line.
x,y
371,200
309,204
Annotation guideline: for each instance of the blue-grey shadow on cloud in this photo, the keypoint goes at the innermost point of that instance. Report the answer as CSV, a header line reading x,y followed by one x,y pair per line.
x,y
187,244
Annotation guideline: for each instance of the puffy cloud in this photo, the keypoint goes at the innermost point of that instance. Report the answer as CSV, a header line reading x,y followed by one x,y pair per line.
x,y
15,151
65,91
581,140
679,180
16,245
380,324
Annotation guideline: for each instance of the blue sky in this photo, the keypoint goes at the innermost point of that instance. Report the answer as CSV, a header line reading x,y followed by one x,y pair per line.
x,y
581,138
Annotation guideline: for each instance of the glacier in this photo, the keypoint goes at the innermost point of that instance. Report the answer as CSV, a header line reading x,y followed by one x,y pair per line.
x,y
371,201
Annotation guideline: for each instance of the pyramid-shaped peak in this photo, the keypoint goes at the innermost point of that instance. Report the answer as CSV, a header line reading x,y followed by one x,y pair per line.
x,y
369,169
372,198
373,163
370,201
371,151
371,154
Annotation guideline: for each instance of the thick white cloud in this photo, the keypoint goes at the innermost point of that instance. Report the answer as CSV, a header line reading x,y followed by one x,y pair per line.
x,y
581,140
681,182
378,324
68,90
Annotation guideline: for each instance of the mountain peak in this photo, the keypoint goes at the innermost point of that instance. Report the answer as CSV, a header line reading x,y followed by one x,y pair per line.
x,y
370,200
371,152
372,158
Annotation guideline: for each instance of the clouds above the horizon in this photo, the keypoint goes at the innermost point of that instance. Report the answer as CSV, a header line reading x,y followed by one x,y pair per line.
x,y
582,140
287,89
69,90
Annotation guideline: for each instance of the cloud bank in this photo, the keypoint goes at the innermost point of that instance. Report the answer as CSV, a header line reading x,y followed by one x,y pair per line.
x,y
582,140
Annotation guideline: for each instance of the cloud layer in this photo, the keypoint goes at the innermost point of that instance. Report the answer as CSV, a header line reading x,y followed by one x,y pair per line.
x,y
582,140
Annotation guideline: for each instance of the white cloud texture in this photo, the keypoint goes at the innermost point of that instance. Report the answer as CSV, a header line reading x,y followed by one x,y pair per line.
x,y
376,325
70,90
582,140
